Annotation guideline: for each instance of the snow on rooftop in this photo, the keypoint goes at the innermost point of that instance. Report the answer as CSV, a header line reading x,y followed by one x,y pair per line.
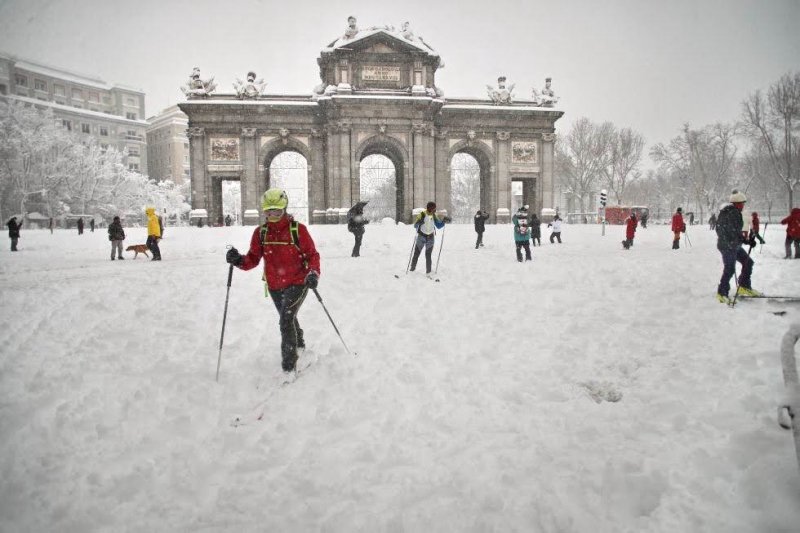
x,y
343,42
78,110
74,77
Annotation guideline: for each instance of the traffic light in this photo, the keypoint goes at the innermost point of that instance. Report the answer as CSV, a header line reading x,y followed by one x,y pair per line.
x,y
603,198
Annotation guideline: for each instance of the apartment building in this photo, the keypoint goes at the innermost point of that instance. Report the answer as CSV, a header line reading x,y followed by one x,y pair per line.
x,y
112,114
168,146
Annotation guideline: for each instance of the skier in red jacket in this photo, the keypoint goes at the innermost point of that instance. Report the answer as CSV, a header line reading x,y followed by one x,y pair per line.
x,y
291,267
755,225
678,227
792,233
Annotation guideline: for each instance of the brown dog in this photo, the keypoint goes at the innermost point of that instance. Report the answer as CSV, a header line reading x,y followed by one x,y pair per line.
x,y
138,248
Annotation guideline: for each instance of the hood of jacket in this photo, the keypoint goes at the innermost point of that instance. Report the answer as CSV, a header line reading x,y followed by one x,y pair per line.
x,y
150,211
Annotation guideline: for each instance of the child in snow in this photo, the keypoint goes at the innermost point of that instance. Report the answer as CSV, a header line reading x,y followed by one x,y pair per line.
x,y
116,235
522,233
291,268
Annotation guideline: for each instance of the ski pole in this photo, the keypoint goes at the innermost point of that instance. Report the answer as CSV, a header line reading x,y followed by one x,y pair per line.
x,y
761,248
224,317
441,245
686,237
331,319
411,253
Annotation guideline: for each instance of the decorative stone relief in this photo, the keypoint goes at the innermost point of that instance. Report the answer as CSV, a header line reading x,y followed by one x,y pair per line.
x,y
471,135
224,149
316,133
500,95
382,129
198,88
548,137
419,128
249,132
524,152
284,134
503,135
252,88
196,132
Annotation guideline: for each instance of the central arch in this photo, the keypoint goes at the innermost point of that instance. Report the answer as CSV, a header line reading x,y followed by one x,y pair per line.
x,y
485,160
276,151
394,151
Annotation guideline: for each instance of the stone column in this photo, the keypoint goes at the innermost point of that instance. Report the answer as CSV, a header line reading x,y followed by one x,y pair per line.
x,y
316,183
333,169
249,180
442,175
201,189
503,169
345,174
547,194
420,194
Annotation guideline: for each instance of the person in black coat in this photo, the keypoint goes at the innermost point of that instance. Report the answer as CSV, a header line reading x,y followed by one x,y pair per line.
x,y
13,232
536,229
116,235
480,226
730,238
80,226
355,225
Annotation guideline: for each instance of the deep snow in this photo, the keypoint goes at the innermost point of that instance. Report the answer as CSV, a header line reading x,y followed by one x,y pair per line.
x,y
592,389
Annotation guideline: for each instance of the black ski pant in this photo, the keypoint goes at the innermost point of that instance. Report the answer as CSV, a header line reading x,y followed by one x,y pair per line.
x,y
357,246
535,239
288,301
729,258
14,243
555,235
527,246
425,241
479,242
152,245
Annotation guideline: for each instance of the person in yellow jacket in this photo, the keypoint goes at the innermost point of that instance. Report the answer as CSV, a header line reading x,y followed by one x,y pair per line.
x,y
153,233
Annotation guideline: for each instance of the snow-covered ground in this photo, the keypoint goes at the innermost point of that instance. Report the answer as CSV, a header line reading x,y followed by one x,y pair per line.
x,y
592,389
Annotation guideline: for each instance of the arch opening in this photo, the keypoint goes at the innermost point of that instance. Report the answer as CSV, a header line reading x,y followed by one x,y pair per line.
x,y
288,170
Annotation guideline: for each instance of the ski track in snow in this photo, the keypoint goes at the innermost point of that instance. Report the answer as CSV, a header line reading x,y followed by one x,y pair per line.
x,y
591,389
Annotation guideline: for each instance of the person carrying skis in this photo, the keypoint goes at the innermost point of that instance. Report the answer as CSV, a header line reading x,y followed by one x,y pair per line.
x,y
153,233
480,226
630,231
522,233
730,238
536,229
755,224
291,268
13,232
426,224
355,225
792,233
678,227
116,235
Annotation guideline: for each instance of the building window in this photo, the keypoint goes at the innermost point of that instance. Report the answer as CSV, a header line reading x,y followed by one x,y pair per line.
x,y
77,94
3,89
94,97
103,131
185,146
186,160
40,85
133,166
85,128
107,100
67,124
130,116
133,150
130,102
21,81
59,90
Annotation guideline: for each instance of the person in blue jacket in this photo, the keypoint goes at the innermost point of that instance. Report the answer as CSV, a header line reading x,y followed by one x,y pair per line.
x,y
522,233
426,224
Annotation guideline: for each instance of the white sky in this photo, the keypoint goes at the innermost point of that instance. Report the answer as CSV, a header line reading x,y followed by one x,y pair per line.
x,y
647,65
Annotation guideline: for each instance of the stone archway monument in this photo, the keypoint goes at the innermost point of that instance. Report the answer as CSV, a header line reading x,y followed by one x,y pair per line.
x,y
378,96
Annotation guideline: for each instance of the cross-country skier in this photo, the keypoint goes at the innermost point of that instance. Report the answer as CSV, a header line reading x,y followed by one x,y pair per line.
x,y
291,267
792,233
678,227
426,224
730,238
755,225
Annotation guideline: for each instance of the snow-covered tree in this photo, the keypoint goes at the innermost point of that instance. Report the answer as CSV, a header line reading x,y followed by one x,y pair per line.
x,y
624,156
580,157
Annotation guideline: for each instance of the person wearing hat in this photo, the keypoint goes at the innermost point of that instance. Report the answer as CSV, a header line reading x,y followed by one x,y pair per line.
x,y
291,268
480,226
13,232
730,237
522,233
678,227
426,223
116,235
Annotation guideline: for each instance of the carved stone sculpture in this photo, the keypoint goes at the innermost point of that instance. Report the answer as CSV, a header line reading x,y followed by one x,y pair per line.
x,y
548,98
501,95
198,88
352,29
252,88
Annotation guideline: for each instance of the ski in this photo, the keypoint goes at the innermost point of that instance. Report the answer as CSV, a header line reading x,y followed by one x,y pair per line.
x,y
426,275
770,297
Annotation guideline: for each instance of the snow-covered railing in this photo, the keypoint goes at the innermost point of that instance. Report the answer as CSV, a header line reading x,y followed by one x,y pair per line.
x,y
790,406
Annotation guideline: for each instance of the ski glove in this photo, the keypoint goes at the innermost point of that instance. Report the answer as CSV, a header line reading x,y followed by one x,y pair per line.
x,y
312,279
234,257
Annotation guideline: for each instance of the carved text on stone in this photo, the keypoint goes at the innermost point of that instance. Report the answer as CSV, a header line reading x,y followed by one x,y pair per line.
x,y
380,73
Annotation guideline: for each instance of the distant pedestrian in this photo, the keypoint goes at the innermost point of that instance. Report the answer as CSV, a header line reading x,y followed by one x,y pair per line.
x,y
355,225
153,234
426,224
91,225
691,218
712,222
480,226
13,232
80,226
116,235
630,231
227,220
678,227
556,224
51,225
536,230
755,226
792,233
644,217
522,233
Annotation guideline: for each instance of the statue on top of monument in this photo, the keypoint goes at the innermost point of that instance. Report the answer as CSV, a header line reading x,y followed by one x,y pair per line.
x,y
252,88
406,31
352,29
198,88
500,95
547,98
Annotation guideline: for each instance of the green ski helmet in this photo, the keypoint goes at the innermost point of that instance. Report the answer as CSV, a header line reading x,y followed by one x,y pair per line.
x,y
274,199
